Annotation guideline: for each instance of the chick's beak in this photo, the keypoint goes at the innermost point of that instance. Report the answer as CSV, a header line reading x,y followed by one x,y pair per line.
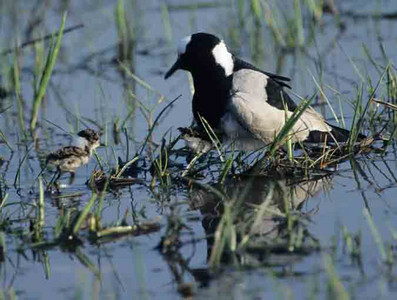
x,y
176,66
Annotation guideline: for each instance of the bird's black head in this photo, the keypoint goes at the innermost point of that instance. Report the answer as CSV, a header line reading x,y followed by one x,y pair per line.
x,y
202,52
90,137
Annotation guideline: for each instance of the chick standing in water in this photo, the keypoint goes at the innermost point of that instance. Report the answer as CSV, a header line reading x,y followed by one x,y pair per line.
x,y
68,159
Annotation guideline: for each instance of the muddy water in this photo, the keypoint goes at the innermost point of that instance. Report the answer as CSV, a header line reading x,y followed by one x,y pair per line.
x,y
86,83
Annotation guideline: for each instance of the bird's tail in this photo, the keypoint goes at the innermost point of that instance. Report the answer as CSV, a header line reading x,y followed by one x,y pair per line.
x,y
336,134
342,135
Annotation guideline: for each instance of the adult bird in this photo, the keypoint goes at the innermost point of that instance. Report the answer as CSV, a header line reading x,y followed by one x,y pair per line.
x,y
241,101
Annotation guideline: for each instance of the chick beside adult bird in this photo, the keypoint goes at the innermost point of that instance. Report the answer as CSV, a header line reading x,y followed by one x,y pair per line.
x,y
242,102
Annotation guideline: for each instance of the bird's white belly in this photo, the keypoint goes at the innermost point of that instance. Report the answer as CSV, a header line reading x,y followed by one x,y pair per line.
x,y
72,163
238,137
232,128
257,120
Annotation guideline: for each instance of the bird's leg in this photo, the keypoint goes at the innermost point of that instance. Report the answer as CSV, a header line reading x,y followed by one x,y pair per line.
x,y
56,182
54,178
59,175
72,177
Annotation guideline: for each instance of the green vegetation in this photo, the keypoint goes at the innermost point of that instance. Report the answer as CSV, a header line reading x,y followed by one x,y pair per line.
x,y
260,211
46,74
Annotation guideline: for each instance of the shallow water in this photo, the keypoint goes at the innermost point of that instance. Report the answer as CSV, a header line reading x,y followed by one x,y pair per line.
x,y
87,86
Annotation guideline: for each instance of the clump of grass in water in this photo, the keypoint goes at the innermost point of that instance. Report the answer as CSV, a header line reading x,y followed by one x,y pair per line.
x,y
360,112
239,231
116,177
353,245
288,30
70,225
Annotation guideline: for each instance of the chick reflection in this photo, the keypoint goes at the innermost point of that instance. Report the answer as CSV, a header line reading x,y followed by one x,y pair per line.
x,y
247,195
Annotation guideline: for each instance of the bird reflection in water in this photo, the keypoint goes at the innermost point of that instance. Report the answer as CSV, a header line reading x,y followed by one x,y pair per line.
x,y
266,214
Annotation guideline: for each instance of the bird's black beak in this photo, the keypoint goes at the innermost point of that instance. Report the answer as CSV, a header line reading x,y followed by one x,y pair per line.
x,y
176,66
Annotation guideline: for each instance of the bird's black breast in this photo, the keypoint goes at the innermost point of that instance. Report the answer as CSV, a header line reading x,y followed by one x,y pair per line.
x,y
210,101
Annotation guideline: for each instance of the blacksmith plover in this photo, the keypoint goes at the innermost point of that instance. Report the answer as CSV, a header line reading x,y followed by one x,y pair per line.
x,y
242,101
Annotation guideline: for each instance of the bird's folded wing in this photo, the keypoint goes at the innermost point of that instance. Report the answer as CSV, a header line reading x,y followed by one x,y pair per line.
x,y
240,64
256,117
262,113
66,152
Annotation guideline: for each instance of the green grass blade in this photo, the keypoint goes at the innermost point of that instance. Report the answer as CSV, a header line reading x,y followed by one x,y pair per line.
x,y
2,136
84,214
289,124
376,235
41,203
335,284
45,78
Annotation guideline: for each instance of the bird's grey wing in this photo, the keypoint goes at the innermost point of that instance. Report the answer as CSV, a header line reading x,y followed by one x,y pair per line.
x,y
252,106
274,86
248,111
240,64
310,119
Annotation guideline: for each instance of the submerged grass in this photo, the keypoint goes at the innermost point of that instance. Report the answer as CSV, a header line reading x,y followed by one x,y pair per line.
x,y
336,288
17,90
377,237
125,33
239,229
84,213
